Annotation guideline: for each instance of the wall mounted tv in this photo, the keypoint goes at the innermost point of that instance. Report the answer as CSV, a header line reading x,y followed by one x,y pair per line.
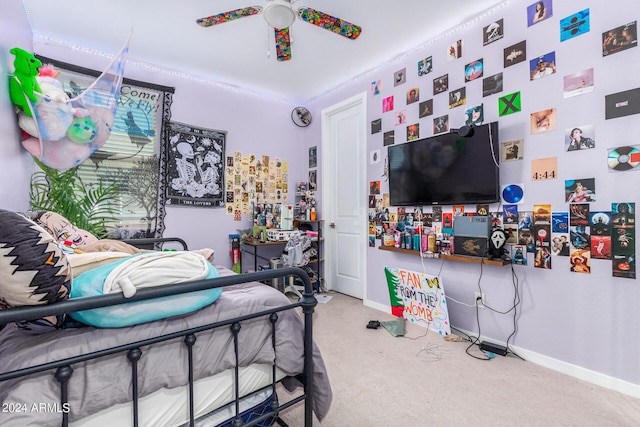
x,y
446,169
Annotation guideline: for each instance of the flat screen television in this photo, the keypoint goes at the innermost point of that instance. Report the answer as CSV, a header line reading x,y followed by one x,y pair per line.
x,y
446,169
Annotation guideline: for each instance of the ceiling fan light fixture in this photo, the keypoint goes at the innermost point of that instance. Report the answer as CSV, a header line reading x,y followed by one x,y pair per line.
x,y
279,14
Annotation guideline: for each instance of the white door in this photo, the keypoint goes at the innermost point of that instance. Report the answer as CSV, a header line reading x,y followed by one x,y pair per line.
x,y
345,195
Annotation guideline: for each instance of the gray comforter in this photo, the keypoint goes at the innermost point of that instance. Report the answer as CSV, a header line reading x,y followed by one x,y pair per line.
x,y
101,383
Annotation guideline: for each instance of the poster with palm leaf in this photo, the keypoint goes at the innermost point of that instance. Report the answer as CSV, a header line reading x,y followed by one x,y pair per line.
x,y
419,298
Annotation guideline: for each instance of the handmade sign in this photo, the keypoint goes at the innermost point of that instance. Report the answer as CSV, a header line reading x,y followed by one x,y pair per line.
x,y
419,298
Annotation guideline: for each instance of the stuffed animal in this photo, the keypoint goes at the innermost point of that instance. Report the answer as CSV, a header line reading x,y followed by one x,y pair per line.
x,y
82,130
23,85
64,153
54,113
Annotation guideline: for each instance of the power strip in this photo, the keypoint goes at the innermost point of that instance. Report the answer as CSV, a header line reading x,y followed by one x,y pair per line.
x,y
493,348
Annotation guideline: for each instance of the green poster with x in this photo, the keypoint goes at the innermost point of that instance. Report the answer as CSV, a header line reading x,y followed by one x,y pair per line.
x,y
509,104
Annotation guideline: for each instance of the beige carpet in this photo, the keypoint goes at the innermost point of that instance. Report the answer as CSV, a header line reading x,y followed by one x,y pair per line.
x,y
379,380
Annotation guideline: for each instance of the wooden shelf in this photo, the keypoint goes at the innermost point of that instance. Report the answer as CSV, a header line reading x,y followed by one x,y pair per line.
x,y
256,242
460,258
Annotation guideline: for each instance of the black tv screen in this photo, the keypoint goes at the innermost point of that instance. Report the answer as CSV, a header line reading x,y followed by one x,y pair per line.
x,y
446,169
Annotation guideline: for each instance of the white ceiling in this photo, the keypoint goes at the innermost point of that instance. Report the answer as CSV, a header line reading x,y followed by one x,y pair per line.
x,y
165,34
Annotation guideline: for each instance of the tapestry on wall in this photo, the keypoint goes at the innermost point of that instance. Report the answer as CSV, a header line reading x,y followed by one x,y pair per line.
x,y
195,172
129,157
419,298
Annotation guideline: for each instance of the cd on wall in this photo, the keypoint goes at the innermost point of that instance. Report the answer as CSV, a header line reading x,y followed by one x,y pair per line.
x,y
623,158
513,193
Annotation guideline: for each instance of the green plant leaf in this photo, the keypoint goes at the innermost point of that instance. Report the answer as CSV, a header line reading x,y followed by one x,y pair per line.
x,y
92,208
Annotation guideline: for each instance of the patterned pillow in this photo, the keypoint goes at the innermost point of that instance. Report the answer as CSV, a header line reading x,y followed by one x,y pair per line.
x,y
61,229
33,268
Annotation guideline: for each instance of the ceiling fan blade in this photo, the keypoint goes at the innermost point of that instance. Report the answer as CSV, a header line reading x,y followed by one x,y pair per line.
x,y
283,44
331,23
231,15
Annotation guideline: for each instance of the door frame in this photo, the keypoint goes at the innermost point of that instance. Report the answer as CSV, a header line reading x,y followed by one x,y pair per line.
x,y
328,168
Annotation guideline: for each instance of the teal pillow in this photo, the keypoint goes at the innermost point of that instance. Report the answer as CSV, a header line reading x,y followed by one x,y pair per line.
x,y
91,283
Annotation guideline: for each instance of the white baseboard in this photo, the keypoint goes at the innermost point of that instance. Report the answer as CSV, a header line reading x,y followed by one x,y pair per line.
x,y
575,371
376,305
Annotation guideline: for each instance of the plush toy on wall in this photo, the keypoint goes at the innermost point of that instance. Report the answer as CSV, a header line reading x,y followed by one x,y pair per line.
x,y
53,111
23,85
65,132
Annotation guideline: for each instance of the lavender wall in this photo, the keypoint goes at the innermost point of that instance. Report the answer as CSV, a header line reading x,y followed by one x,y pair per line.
x,y
580,323
15,163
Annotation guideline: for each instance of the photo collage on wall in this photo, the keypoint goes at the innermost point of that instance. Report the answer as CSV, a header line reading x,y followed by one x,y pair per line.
x,y
253,180
416,102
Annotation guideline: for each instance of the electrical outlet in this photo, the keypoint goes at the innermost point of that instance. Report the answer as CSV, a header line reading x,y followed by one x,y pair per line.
x,y
479,299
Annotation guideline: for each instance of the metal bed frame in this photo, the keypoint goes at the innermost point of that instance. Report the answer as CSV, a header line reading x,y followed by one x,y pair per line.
x,y
63,368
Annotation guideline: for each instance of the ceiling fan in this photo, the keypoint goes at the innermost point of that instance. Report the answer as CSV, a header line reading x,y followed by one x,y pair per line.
x,y
280,15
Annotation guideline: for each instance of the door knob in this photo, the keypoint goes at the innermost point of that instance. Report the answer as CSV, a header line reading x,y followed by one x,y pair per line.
x,y
332,225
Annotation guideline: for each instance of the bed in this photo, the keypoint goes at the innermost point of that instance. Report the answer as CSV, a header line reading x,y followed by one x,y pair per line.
x,y
200,368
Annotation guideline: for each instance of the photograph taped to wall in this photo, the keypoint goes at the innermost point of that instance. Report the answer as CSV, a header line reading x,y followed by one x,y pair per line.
x,y
413,95
622,104
578,83
580,260
509,104
474,115
543,121
458,97
195,169
376,87
600,223
441,84
575,25
620,38
512,150
425,66
539,11
580,138
542,66
441,124
313,156
388,138
399,77
374,157
492,84
560,222
542,243
387,104
579,214
512,193
376,126
425,108
510,215
313,180
493,32
515,54
545,168
580,190
473,70
454,51
580,237
413,132
623,159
